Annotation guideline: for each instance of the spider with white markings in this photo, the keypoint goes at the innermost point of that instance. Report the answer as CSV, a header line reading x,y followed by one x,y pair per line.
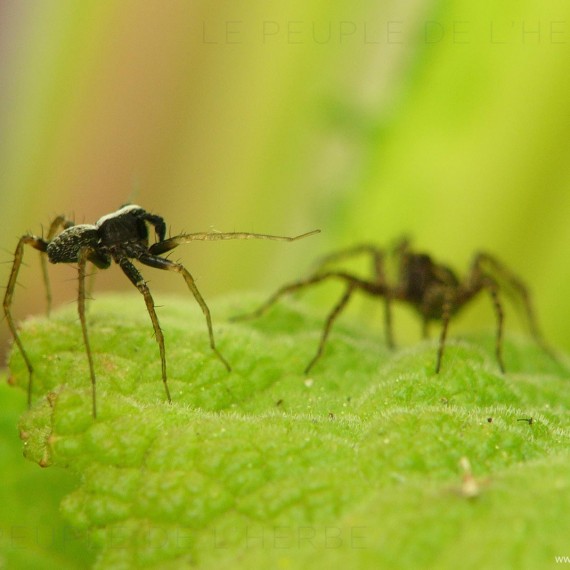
x,y
432,289
121,236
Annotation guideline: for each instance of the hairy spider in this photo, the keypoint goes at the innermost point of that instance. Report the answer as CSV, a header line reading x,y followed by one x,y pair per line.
x,y
431,288
120,237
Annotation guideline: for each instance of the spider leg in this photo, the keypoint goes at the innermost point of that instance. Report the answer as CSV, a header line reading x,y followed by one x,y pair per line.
x,y
388,331
41,245
481,281
445,316
98,261
90,285
493,289
515,282
138,281
329,323
170,243
376,254
291,288
157,222
161,263
84,255
352,284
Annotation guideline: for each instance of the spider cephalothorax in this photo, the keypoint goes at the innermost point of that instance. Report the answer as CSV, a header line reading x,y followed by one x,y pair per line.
x,y
122,237
432,289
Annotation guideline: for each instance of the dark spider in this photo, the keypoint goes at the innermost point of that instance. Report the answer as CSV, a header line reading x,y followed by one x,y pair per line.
x,y
119,237
431,288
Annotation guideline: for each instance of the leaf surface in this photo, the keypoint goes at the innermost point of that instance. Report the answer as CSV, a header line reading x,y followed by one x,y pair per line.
x,y
371,461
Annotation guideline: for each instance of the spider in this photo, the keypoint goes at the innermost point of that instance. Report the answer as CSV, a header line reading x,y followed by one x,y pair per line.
x,y
432,289
121,236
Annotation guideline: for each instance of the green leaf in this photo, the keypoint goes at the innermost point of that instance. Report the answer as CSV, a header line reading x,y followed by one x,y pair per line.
x,y
32,531
373,461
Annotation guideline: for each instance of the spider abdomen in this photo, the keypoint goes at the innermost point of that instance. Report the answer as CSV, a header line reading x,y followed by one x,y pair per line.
x,y
65,247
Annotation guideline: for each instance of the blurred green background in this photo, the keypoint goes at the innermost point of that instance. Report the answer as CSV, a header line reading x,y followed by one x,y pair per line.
x,y
448,121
